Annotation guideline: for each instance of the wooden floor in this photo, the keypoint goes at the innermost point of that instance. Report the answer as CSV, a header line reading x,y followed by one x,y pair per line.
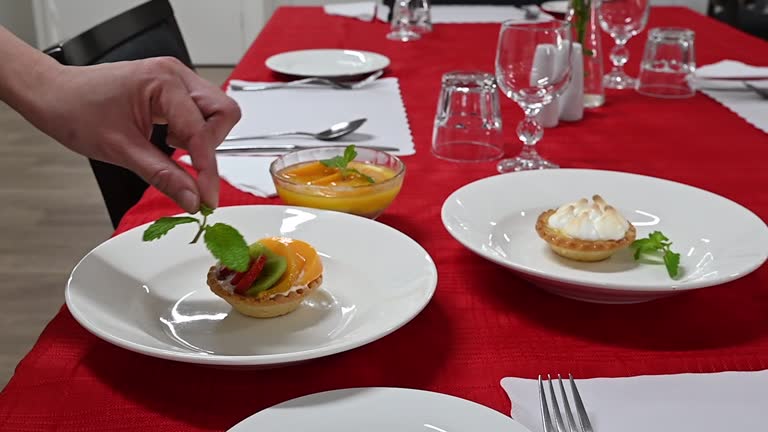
x,y
51,215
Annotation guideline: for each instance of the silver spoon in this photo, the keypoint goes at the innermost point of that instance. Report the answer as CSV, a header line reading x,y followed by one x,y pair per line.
x,y
334,132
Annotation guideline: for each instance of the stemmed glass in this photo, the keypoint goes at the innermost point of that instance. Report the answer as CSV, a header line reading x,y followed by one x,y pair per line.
x,y
533,67
622,19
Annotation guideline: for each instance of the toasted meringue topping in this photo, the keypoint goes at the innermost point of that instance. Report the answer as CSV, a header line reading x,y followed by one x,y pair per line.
x,y
589,221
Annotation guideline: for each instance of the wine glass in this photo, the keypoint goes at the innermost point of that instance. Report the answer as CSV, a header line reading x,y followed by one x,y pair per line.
x,y
533,67
622,19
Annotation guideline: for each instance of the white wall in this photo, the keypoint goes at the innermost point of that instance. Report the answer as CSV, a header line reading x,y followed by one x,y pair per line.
x,y
216,32
17,16
697,5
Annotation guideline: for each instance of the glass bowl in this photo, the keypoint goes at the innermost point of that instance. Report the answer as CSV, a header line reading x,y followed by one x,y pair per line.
x,y
367,200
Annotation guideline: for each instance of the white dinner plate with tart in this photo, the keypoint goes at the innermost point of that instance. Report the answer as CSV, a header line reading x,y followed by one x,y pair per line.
x,y
286,284
604,236
379,409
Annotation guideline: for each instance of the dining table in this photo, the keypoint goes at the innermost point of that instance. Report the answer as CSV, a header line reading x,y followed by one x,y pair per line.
x,y
484,322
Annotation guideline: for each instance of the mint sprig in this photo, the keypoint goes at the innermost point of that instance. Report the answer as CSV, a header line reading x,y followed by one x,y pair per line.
x,y
224,242
658,244
341,162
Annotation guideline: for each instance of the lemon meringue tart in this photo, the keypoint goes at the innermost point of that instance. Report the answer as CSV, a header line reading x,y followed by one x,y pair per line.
x,y
585,231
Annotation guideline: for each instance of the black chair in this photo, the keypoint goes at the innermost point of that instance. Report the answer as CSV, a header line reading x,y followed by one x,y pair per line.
x,y
750,16
148,30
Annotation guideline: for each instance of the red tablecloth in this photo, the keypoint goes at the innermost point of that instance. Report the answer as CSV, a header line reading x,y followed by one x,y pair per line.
x,y
483,323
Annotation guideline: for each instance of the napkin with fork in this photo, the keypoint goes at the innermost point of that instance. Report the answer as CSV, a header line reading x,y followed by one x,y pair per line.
x,y
706,402
724,82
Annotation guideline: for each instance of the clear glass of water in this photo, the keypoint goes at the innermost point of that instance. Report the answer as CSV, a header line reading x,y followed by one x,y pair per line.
x,y
410,19
533,67
468,124
669,62
622,19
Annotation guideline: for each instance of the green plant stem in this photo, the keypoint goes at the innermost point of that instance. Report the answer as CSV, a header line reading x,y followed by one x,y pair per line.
x,y
200,231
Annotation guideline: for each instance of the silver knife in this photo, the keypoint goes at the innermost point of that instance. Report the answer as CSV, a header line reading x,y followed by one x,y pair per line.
x,y
287,147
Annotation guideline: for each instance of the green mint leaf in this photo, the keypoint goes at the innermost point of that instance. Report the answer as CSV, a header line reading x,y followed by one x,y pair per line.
x,y
205,210
658,237
672,262
349,154
334,162
341,162
163,225
228,246
348,171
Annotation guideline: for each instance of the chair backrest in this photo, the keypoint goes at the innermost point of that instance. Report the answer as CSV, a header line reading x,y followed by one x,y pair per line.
x,y
147,30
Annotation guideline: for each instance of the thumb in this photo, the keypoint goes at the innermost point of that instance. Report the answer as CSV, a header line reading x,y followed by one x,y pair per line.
x,y
160,171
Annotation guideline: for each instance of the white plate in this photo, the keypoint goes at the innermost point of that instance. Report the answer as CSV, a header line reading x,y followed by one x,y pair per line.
x,y
718,240
556,7
327,62
152,298
379,409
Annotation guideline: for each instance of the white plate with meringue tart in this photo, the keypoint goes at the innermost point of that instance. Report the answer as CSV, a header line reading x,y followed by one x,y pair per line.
x,y
313,283
604,236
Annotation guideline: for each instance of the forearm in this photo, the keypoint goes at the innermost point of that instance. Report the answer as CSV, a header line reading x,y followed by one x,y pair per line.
x,y
24,72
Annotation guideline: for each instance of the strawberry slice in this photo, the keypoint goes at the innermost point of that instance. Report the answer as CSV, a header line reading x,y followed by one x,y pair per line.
x,y
238,277
250,275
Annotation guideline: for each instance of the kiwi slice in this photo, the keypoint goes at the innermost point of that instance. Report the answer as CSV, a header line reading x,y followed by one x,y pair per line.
x,y
257,249
273,269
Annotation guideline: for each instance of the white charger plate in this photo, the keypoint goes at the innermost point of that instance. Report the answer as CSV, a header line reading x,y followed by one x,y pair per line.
x,y
152,298
327,62
556,7
379,409
718,240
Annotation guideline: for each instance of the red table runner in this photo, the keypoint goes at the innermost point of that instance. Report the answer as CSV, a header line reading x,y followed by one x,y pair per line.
x,y
483,323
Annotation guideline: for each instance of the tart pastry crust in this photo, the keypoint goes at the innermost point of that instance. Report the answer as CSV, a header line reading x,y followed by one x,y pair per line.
x,y
261,307
577,249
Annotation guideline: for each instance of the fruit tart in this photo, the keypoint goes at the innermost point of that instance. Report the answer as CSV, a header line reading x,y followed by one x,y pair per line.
x,y
585,231
281,274
269,278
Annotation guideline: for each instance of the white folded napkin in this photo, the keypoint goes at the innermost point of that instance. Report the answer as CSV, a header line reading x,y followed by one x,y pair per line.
x,y
247,173
363,10
732,93
316,108
440,14
731,69
716,402
457,14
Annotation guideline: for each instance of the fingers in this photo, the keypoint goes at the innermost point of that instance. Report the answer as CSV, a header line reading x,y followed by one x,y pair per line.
x,y
163,173
199,117
221,113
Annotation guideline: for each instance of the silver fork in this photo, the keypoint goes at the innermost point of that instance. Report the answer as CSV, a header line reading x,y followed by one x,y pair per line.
x,y
584,425
312,80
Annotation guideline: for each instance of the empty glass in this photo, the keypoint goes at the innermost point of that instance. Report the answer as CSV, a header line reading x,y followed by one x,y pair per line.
x,y
468,120
622,19
669,62
533,66
410,18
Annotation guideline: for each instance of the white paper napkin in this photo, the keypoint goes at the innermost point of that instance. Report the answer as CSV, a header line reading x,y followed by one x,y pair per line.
x,y
313,109
440,14
716,402
363,10
732,93
457,14
247,173
731,69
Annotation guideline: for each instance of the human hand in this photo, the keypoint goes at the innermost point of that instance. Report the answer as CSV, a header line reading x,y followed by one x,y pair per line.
x,y
106,112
